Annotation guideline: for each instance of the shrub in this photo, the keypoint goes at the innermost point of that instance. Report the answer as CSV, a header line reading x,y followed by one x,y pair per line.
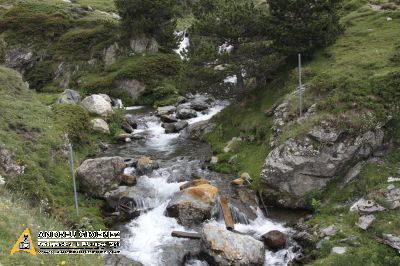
x,y
74,121
116,121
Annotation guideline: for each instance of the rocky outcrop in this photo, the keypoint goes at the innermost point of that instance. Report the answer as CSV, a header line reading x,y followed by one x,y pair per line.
x,y
307,163
100,125
8,167
132,87
69,97
19,59
193,205
97,105
144,45
97,176
222,247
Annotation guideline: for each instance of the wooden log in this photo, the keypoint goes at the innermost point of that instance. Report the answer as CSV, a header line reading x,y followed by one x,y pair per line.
x,y
180,234
226,211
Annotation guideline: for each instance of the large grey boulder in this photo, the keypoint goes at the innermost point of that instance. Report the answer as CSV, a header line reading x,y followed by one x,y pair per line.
x,y
184,111
223,247
97,105
69,97
199,104
193,205
165,110
302,165
97,176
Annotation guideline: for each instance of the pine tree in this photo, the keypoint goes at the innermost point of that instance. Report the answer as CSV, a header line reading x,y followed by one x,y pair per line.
x,y
301,26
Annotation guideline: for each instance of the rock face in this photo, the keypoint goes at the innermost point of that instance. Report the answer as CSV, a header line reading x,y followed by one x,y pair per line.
x,y
9,168
131,87
98,175
274,239
302,165
100,125
19,59
193,205
223,247
144,44
97,105
69,97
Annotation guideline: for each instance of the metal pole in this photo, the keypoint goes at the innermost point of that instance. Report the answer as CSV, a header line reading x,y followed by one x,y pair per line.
x,y
71,159
300,87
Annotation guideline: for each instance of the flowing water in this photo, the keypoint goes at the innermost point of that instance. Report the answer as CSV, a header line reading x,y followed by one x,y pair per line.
x,y
147,239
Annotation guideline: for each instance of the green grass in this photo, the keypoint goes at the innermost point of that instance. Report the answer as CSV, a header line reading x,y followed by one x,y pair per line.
x,y
15,216
35,136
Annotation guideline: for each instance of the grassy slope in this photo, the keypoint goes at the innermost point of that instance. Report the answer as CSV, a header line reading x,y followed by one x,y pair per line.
x,y
15,216
34,134
342,82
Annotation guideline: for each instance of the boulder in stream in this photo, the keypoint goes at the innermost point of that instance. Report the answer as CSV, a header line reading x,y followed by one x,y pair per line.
x,y
223,247
131,120
165,110
185,113
98,175
146,165
193,205
274,239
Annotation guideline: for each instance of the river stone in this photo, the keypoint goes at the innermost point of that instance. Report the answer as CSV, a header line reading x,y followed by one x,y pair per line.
x,y
146,165
274,239
106,97
186,113
199,104
299,166
168,119
128,180
223,247
365,222
98,175
69,97
97,105
165,110
127,127
100,125
193,205
169,128
180,125
130,119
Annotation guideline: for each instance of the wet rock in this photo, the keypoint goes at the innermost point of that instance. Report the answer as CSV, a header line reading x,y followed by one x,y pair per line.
x,y
97,176
328,231
123,137
180,125
169,128
146,165
8,167
168,119
127,127
223,247
181,100
300,165
194,183
185,113
128,180
69,97
274,239
339,250
365,222
165,110
97,105
130,119
199,104
100,125
193,205
366,207
197,130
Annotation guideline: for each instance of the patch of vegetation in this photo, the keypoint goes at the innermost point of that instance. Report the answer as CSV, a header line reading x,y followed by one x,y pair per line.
x,y
163,95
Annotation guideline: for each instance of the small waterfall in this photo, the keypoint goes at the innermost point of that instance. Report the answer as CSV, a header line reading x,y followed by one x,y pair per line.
x,y
238,216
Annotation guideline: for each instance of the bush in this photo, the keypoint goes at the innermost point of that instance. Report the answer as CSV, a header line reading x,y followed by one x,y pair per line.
x,y
116,121
74,121
160,96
